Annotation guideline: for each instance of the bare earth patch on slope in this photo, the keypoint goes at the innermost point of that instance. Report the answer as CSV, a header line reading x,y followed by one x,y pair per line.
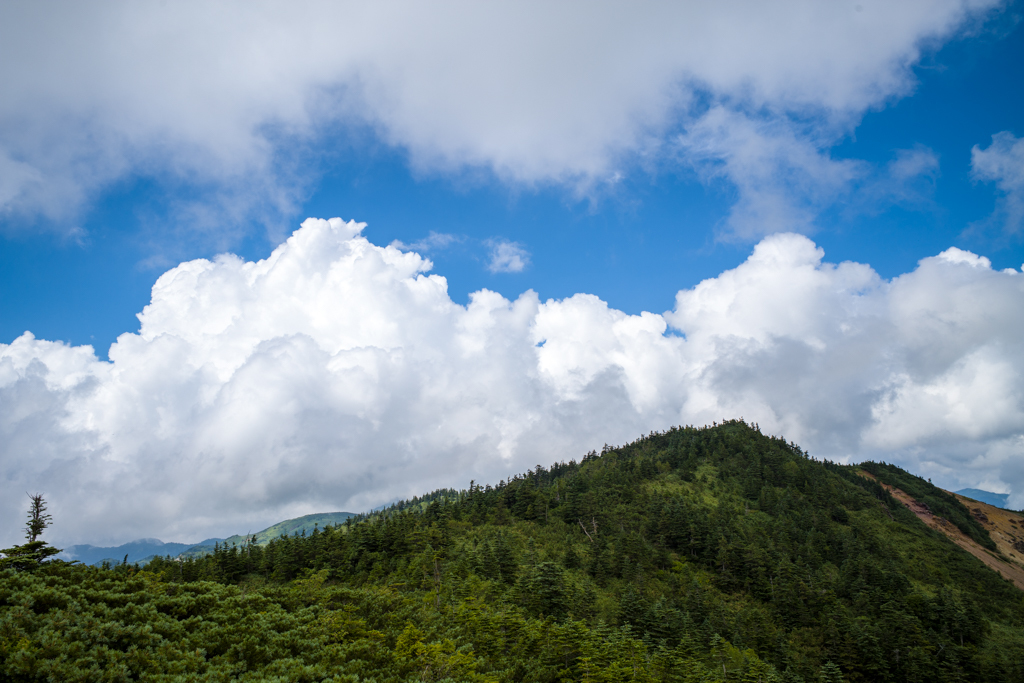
x,y
1005,527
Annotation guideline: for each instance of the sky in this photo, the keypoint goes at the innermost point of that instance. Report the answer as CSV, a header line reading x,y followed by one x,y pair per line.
x,y
259,260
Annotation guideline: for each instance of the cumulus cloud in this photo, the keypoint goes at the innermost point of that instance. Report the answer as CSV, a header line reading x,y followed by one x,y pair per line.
x,y
1002,162
337,374
221,99
507,257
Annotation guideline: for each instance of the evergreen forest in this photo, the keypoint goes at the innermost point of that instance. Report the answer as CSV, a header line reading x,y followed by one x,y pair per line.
x,y
697,554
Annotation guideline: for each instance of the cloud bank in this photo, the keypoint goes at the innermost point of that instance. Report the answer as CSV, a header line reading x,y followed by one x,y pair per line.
x,y
229,102
337,374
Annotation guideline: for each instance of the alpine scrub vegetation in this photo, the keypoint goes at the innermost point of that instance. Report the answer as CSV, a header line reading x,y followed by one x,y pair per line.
x,y
712,554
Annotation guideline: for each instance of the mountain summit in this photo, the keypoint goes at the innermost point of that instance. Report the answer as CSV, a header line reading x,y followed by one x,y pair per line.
x,y
710,554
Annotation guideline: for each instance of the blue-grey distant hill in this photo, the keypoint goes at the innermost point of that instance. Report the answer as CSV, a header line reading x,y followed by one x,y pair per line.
x,y
996,499
145,549
135,550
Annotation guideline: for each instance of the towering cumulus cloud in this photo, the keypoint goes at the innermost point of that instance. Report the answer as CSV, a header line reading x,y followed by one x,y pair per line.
x,y
339,374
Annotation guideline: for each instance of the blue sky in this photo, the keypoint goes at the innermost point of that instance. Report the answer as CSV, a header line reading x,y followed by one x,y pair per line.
x,y
628,156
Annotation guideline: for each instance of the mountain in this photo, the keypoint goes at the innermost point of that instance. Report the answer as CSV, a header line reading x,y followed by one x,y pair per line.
x,y
712,554
135,550
996,499
145,549
993,535
300,525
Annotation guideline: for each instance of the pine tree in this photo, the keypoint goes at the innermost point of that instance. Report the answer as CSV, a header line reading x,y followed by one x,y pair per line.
x,y
830,673
38,520
505,559
32,554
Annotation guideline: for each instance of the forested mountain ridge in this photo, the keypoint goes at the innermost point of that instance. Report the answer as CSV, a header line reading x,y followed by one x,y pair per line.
x,y
141,550
289,527
299,525
993,535
145,549
691,555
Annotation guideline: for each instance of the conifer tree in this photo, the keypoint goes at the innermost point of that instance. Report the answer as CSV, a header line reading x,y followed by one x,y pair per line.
x,y
32,554
38,520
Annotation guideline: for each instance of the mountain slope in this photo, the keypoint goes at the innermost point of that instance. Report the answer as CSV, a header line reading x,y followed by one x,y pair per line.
x,y
1002,556
145,549
1004,526
694,555
693,535
300,525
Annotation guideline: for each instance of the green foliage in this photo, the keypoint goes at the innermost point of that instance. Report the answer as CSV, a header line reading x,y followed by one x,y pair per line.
x,y
27,556
939,502
38,520
714,554
299,525
30,555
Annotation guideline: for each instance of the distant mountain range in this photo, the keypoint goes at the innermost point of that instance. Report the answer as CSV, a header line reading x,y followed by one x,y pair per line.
x,y
996,499
145,549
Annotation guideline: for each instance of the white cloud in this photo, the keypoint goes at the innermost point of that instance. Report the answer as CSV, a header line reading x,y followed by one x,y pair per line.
x,y
1002,162
337,374
782,178
507,257
224,99
432,242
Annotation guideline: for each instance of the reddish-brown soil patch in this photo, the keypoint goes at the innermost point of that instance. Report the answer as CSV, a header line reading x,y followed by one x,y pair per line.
x,y
1006,529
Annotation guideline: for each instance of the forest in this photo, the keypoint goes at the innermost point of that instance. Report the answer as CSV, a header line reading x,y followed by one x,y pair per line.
x,y
696,554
